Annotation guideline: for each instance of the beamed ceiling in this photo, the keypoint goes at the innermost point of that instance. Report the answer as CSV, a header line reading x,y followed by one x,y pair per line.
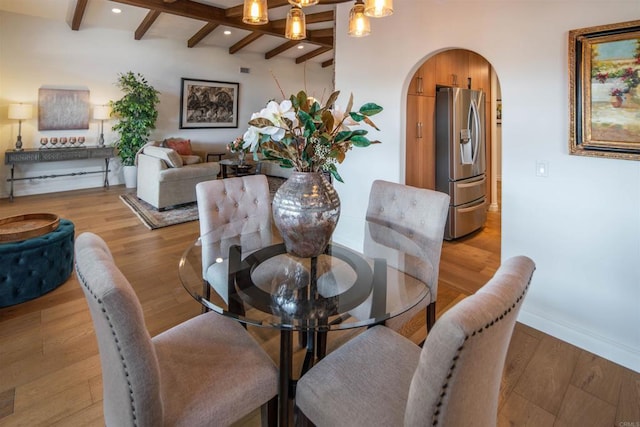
x,y
200,24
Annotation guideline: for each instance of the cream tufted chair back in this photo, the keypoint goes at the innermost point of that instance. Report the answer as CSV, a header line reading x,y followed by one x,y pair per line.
x,y
232,211
406,218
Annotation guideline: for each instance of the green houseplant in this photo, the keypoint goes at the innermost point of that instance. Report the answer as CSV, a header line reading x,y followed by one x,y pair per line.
x,y
136,113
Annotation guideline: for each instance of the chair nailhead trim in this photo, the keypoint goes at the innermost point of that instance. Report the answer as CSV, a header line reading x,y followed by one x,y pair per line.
x,y
444,387
124,365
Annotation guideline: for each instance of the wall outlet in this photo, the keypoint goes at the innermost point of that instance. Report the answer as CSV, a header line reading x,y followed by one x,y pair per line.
x,y
542,168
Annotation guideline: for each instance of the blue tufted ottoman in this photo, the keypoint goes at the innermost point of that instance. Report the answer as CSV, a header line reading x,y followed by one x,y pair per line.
x,y
35,266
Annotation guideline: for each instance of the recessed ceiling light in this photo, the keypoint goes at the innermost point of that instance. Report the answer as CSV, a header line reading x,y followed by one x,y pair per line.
x,y
300,46
227,32
116,10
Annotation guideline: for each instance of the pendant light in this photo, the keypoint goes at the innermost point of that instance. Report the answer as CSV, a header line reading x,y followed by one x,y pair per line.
x,y
296,28
358,22
378,8
255,12
304,3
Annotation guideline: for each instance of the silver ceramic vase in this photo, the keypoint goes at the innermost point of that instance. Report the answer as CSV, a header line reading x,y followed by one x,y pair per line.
x,y
306,209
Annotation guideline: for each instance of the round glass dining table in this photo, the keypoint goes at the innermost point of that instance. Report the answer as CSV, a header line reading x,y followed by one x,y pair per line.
x,y
249,276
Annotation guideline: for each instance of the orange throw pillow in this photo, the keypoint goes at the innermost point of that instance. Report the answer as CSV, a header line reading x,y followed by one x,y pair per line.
x,y
179,145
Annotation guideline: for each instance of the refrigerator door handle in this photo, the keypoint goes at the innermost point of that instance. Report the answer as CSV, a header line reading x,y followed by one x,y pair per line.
x,y
474,118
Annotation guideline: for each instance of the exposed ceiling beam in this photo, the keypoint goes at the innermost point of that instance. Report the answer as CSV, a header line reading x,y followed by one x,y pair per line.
x,y
324,32
204,12
146,23
313,54
244,42
204,32
283,47
78,13
312,18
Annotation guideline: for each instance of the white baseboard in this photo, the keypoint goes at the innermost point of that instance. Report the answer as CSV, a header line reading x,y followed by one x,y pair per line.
x,y
616,352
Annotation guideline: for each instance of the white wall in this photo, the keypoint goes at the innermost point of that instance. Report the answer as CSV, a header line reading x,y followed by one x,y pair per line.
x,y
581,224
36,52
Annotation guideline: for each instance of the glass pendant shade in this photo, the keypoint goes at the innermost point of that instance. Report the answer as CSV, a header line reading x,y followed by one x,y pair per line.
x,y
296,28
359,25
255,12
378,8
304,3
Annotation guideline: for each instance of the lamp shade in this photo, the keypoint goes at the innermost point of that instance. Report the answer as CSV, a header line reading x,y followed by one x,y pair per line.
x,y
20,111
255,12
296,28
101,112
378,8
304,3
359,25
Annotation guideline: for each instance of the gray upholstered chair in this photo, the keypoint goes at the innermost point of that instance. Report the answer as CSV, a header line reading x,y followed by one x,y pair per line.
x,y
205,371
231,211
417,216
380,378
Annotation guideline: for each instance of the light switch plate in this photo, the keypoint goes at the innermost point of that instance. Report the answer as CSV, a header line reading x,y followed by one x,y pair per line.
x,y
542,168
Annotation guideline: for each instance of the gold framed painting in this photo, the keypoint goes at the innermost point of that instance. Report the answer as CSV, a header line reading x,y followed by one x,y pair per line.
x,y
604,80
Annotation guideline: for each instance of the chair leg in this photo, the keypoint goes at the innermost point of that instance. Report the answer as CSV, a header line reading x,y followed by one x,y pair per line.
x,y
431,318
269,413
321,344
431,315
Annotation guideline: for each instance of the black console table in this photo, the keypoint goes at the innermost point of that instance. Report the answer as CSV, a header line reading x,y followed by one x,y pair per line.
x,y
35,155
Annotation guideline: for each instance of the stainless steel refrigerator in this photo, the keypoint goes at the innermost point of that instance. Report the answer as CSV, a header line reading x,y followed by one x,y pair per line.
x,y
460,158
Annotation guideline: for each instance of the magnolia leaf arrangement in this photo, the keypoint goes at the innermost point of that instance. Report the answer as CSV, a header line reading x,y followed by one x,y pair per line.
x,y
301,133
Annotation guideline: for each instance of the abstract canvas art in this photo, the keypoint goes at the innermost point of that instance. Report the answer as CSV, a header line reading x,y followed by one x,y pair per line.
x,y
63,109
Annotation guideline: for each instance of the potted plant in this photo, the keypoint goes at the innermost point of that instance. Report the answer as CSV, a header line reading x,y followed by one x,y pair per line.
x,y
136,113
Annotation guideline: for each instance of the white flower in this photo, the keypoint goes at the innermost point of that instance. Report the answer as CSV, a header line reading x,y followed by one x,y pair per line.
x,y
276,114
338,114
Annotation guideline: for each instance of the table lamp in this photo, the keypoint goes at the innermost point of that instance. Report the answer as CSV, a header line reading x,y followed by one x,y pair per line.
x,y
20,112
102,113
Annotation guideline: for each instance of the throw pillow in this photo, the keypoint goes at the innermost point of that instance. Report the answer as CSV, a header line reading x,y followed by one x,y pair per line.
x,y
170,157
182,146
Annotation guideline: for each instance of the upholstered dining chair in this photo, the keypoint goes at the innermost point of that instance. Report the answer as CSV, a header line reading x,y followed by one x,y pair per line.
x,y
205,371
232,211
380,378
400,216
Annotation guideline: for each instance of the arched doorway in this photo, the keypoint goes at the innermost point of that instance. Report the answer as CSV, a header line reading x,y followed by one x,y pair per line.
x,y
455,68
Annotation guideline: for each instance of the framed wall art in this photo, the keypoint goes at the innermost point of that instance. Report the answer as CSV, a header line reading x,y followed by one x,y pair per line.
x,y
604,85
208,104
63,109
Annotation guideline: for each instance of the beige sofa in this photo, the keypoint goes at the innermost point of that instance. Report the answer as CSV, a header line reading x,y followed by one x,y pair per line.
x,y
167,179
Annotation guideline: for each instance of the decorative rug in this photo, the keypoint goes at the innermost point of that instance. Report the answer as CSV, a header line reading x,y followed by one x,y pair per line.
x,y
153,219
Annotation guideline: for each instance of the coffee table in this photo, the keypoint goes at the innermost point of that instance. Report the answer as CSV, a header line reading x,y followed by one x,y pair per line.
x,y
236,168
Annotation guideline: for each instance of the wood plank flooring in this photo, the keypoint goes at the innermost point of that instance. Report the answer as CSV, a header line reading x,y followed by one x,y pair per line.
x,y
50,368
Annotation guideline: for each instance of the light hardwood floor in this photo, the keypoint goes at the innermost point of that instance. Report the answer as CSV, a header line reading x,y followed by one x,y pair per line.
x,y
50,368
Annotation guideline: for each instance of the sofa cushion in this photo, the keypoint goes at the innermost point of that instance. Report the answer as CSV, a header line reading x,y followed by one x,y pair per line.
x,y
196,171
190,160
170,157
182,146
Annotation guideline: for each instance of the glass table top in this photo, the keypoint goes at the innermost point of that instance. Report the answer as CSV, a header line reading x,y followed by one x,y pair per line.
x,y
249,276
